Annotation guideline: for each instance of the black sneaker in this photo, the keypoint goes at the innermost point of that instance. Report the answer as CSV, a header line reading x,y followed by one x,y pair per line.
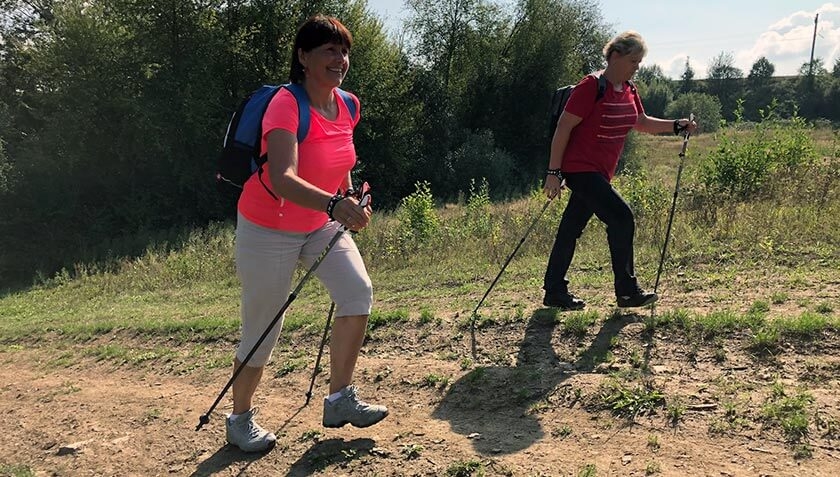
x,y
563,301
640,298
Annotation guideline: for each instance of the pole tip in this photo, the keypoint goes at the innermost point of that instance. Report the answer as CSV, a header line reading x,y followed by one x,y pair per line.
x,y
204,419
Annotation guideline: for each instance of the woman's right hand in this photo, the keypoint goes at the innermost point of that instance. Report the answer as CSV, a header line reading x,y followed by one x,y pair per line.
x,y
553,186
351,215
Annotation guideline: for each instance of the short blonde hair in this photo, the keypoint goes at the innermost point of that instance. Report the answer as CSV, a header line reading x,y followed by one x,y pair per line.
x,y
626,43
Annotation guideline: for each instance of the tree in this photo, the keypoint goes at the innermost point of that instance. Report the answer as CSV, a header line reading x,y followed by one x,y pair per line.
x,y
706,109
761,91
649,74
724,81
687,79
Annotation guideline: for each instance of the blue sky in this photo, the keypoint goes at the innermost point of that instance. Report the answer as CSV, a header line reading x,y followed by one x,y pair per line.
x,y
780,30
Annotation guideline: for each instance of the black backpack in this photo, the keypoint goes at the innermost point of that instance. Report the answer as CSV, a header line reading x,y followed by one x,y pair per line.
x,y
561,97
240,157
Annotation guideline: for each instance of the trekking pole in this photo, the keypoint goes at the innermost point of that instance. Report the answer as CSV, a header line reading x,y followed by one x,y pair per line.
x,y
673,206
320,352
205,418
521,241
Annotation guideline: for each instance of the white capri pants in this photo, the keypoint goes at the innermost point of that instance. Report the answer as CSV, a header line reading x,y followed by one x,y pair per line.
x,y
265,264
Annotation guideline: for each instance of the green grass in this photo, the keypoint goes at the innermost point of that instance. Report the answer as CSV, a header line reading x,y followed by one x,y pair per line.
x,y
16,471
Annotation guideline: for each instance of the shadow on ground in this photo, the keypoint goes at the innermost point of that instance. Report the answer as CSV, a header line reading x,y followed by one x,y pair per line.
x,y
498,406
330,452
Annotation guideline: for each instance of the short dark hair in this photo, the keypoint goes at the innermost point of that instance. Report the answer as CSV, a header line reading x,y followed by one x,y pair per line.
x,y
316,31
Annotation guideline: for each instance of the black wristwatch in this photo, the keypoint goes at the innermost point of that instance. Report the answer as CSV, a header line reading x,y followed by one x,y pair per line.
x,y
554,172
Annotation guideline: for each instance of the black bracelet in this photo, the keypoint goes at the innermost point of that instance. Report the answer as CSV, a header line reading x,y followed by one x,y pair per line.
x,y
554,172
331,205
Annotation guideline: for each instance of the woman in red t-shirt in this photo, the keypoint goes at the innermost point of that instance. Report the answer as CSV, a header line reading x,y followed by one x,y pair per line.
x,y
285,220
587,144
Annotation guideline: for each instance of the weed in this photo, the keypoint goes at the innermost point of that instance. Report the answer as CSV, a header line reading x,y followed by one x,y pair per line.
x,y
562,432
466,469
652,468
16,471
779,298
824,308
589,470
310,435
426,316
627,402
289,366
653,442
411,451
435,381
790,413
577,324
675,411
766,340
466,363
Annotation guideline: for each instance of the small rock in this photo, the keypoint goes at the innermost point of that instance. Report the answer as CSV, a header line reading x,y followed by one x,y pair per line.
x,y
626,459
474,435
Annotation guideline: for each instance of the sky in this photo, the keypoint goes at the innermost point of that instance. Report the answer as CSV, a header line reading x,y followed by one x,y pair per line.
x,y
780,30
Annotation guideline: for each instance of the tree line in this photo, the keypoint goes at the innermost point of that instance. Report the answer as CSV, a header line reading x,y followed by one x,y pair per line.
x,y
112,111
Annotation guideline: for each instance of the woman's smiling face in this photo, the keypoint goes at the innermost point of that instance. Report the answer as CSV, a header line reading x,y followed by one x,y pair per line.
x,y
326,64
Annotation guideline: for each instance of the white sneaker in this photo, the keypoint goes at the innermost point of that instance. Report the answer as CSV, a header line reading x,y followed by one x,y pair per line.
x,y
246,434
349,409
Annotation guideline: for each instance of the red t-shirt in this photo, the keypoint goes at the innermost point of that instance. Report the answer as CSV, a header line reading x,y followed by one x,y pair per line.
x,y
595,144
325,157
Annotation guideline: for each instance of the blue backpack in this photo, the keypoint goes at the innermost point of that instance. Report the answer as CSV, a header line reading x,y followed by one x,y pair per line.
x,y
240,157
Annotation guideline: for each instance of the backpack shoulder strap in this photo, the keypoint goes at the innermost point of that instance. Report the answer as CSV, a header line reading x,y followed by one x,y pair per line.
x,y
348,100
602,86
302,99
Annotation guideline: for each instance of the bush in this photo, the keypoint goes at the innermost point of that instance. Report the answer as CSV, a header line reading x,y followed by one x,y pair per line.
x,y
744,164
706,109
418,220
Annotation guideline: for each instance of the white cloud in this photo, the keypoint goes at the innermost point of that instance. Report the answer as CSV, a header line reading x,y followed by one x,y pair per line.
x,y
787,42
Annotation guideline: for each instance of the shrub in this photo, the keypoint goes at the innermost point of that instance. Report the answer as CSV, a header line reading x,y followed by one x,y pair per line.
x,y
743,165
706,109
418,220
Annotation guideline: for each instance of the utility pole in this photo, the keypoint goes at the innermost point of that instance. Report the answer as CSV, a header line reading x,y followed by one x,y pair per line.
x,y
813,42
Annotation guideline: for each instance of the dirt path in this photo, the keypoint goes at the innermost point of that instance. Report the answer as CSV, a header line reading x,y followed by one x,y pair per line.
x,y
528,413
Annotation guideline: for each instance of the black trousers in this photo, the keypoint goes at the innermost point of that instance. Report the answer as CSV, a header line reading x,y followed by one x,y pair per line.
x,y
592,194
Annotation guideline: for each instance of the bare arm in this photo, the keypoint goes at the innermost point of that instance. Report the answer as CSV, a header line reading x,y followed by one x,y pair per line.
x,y
567,122
652,125
283,174
282,171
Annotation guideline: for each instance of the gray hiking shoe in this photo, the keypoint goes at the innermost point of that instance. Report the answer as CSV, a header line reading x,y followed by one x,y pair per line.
x,y
349,409
246,434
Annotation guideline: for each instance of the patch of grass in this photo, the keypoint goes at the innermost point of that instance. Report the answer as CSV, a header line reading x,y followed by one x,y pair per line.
x,y
759,306
652,468
629,402
435,381
779,298
289,366
310,435
824,308
378,319
766,339
411,451
807,325
653,442
16,471
562,432
578,323
675,411
588,470
466,468
427,316
789,413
